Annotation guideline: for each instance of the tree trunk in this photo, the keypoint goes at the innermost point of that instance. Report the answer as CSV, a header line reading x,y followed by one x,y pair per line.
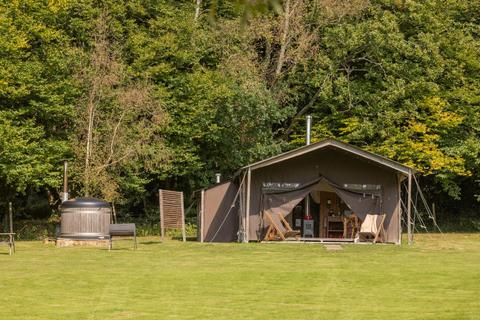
x,y
284,39
91,111
197,9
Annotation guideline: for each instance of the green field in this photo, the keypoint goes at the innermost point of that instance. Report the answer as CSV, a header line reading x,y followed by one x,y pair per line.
x,y
437,278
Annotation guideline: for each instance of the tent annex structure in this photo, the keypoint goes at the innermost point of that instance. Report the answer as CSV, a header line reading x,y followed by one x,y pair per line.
x,y
316,189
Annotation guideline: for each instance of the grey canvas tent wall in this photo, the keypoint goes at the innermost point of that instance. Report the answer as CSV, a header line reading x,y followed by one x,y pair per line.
x,y
327,162
218,219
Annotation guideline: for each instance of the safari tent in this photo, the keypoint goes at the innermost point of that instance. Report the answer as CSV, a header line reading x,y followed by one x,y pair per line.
x,y
322,182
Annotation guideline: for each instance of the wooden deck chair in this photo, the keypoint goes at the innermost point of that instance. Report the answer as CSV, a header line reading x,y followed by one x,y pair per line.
x,y
279,228
372,229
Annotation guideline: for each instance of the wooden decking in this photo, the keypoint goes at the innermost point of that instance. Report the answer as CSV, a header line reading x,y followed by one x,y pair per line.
x,y
324,240
314,240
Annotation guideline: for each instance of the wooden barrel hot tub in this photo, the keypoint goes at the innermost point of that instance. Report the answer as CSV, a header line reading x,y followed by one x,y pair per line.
x,y
84,219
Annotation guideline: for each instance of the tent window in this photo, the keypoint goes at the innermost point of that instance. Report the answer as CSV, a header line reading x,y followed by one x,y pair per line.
x,y
362,187
279,186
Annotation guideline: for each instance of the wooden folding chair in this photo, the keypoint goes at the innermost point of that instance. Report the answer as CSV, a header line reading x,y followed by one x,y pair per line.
x,y
372,228
278,229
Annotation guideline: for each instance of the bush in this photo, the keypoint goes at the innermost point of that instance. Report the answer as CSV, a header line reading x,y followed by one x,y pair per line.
x,y
149,230
41,229
34,229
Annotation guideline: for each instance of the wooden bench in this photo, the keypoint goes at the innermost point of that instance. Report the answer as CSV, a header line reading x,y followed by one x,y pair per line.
x,y
122,230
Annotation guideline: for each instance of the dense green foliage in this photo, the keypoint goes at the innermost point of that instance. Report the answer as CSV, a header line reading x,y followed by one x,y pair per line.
x,y
401,78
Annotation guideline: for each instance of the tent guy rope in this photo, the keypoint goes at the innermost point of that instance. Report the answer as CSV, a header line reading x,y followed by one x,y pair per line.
x,y
229,210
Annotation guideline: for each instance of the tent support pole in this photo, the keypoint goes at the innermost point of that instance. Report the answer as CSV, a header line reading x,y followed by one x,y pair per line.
x,y
247,206
241,211
409,210
400,210
202,215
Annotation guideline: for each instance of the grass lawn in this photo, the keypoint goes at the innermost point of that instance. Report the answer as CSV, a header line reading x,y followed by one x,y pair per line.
x,y
437,278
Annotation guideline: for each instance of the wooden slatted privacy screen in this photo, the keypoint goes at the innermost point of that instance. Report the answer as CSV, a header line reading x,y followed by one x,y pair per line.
x,y
172,215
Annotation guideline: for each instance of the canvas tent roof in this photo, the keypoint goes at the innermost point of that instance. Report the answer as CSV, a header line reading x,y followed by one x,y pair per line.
x,y
335,144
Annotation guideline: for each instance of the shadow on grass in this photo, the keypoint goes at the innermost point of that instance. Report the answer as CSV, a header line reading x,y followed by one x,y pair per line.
x,y
179,238
150,242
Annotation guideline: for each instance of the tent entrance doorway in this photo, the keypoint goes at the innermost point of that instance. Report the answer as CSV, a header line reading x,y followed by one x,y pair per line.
x,y
330,217
334,212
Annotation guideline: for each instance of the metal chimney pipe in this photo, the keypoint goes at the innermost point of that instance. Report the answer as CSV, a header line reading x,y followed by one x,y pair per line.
x,y
218,177
65,181
10,217
309,129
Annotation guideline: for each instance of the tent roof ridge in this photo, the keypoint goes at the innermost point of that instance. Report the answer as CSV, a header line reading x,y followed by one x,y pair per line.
x,y
384,161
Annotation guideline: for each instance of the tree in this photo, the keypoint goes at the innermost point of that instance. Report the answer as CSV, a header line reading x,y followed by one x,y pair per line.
x,y
155,97
119,123
36,97
394,82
